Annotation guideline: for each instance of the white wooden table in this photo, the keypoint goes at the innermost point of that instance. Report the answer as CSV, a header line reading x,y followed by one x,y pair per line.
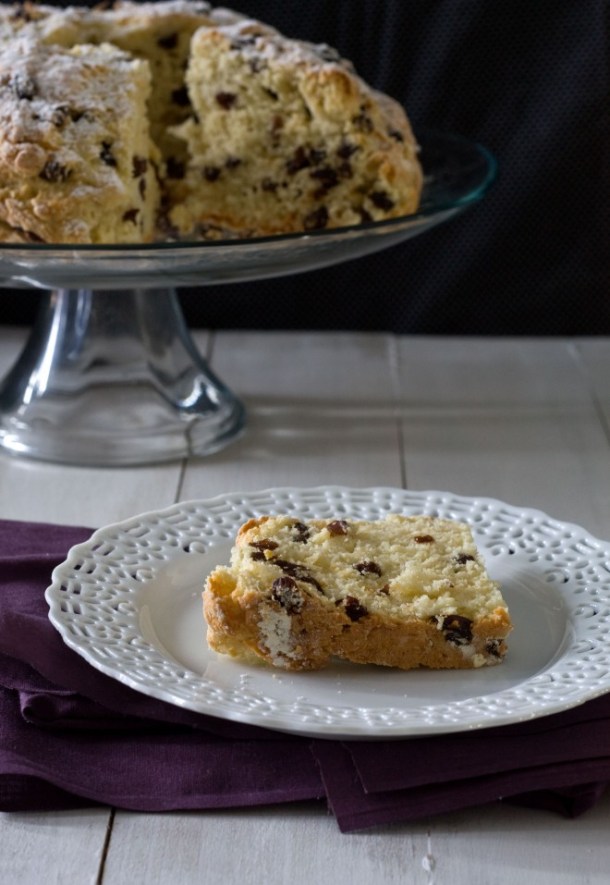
x,y
526,421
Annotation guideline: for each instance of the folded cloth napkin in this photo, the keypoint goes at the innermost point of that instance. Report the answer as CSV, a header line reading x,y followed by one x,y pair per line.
x,y
71,736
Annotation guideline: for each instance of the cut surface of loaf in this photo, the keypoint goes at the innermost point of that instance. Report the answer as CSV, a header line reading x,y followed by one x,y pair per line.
x,y
404,591
77,164
286,137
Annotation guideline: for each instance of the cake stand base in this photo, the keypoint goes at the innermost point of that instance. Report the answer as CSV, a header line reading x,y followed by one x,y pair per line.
x,y
110,378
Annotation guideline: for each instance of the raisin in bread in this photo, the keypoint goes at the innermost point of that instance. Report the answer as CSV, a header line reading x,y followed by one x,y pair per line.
x,y
402,592
286,137
77,164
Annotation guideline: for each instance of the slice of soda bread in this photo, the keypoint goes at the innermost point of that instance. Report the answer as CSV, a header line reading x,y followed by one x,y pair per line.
x,y
404,591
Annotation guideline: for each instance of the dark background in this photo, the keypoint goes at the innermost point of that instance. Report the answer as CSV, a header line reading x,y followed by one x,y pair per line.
x,y
526,78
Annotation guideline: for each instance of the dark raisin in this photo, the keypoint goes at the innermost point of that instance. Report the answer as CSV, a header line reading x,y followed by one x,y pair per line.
x,y
180,97
211,173
54,172
381,200
21,13
169,230
363,122
239,42
232,162
365,216
317,156
327,53
286,592
457,629
463,558
493,646
301,532
170,41
258,556
337,527
316,220
29,235
354,609
131,215
226,100
299,160
396,135
267,184
345,150
175,168
23,86
106,155
300,572
275,133
271,93
367,567
344,170
60,115
423,539
385,590
265,544
139,166
327,177
76,115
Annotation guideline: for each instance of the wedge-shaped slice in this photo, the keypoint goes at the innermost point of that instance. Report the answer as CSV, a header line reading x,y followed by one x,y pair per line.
x,y
401,592
286,137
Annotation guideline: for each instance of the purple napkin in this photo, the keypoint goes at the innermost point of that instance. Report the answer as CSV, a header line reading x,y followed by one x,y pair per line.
x,y
71,736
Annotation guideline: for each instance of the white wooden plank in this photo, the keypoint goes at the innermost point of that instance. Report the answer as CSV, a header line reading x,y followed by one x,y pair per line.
x,y
57,847
513,420
464,373
309,369
38,491
320,411
298,844
594,357
502,845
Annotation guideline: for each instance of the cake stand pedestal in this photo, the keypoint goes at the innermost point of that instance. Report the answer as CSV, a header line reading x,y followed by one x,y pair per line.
x,y
113,377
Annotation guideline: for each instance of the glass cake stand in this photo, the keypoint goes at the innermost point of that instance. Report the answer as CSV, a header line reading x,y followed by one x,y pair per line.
x,y
110,375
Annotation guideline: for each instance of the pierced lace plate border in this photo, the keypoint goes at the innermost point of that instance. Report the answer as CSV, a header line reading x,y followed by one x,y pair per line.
x,y
97,602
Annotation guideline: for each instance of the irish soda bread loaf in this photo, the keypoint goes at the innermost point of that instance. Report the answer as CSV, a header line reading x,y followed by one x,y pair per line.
x,y
249,132
402,592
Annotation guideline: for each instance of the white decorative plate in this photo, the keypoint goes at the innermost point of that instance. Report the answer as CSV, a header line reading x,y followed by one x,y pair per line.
x,y
129,601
